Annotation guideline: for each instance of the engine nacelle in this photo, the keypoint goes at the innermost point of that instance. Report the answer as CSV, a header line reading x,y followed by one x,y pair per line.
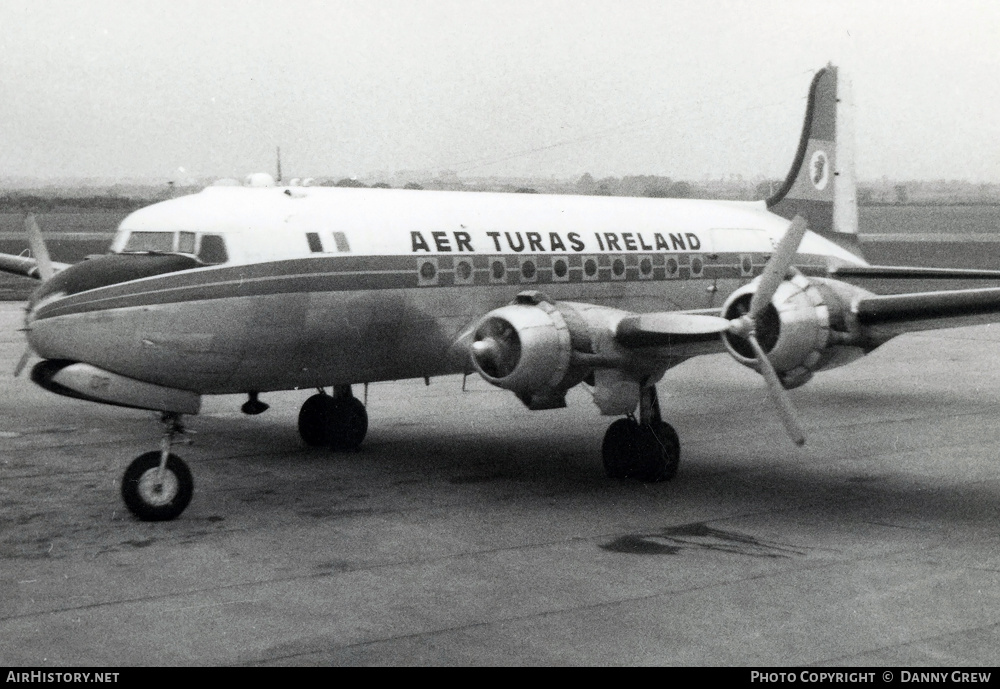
x,y
807,327
86,382
527,348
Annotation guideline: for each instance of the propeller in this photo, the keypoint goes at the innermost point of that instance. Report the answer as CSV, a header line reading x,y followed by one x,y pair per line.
x,y
746,325
45,272
23,361
38,248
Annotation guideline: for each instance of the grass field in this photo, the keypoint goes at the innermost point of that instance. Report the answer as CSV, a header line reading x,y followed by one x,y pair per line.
x,y
94,229
90,221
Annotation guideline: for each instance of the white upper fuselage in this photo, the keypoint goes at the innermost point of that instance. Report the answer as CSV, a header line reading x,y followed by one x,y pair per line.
x,y
268,224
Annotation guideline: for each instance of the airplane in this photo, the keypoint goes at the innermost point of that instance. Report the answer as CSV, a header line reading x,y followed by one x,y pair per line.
x,y
257,288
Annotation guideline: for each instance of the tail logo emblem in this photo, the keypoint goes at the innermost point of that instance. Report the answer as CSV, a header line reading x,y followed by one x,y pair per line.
x,y
819,170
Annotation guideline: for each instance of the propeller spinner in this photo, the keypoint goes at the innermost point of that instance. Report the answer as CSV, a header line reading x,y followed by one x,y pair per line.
x,y
497,348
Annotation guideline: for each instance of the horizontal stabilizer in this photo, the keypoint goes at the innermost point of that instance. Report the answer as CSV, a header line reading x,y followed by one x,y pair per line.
x,y
668,328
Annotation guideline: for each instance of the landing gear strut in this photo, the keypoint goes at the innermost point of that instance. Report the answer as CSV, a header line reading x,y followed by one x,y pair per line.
x,y
647,450
339,422
157,485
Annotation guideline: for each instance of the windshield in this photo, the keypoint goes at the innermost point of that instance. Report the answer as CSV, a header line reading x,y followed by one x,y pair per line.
x,y
208,248
160,242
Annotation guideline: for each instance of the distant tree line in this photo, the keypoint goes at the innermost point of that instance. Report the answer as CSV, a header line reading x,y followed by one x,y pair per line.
x,y
651,186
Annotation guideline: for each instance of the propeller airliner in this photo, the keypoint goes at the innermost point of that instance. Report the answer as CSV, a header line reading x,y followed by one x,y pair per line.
x,y
265,287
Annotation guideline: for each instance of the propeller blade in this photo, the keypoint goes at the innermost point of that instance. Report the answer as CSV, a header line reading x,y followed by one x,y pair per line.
x,y
778,393
776,269
38,248
23,361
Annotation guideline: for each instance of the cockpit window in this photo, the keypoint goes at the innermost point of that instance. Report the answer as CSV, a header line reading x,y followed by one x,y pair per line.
x,y
208,248
213,249
185,243
160,242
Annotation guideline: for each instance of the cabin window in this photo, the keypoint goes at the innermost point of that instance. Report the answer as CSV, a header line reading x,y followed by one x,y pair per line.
x,y
159,242
186,243
212,249
341,240
560,270
618,269
463,272
315,245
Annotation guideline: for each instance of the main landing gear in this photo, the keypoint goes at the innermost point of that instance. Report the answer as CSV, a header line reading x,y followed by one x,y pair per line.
x,y
339,422
157,485
647,450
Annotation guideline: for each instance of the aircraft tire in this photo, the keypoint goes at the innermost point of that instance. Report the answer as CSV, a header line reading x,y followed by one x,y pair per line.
x,y
665,447
617,447
641,452
351,424
152,503
338,423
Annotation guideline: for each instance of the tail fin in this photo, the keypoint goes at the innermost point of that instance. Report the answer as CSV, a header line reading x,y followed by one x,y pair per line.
x,y
820,186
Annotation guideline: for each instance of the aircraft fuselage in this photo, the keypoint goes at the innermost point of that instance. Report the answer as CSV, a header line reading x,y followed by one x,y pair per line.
x,y
335,286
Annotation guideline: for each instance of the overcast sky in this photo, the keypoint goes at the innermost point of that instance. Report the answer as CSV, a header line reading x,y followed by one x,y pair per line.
x,y
545,87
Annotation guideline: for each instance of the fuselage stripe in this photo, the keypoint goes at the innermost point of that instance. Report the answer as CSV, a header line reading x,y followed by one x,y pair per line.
x,y
354,273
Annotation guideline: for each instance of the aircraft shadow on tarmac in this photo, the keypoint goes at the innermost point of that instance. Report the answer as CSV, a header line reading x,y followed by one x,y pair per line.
x,y
874,467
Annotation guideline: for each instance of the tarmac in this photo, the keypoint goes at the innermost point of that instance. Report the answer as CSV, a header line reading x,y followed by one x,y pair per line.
x,y
471,531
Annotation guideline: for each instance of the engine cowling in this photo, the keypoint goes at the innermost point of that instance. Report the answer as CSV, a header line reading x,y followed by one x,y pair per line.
x,y
526,348
807,327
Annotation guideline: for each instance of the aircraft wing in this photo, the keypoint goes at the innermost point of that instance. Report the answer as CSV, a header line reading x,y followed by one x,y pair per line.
x,y
678,333
911,273
26,266
894,314
40,266
887,315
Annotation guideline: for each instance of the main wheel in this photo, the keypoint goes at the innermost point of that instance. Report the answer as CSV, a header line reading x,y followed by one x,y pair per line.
x,y
340,423
660,453
645,453
617,447
151,499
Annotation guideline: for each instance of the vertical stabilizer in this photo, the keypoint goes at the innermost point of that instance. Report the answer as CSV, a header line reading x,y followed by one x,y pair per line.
x,y
820,185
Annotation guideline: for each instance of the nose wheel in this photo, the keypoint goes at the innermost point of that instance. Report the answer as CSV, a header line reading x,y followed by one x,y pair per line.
x,y
338,421
157,486
646,449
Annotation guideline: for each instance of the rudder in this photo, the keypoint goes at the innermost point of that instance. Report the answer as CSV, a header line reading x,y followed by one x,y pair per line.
x,y
820,185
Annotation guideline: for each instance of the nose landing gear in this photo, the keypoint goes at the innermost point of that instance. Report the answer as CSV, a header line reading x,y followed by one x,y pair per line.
x,y
158,485
647,450
339,422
